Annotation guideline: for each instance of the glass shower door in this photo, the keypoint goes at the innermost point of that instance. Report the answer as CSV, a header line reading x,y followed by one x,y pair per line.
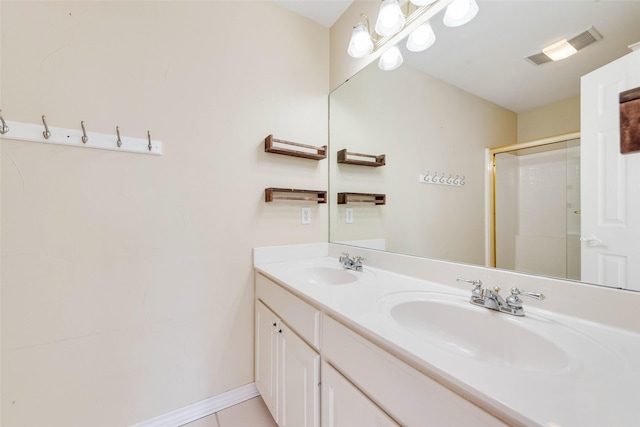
x,y
537,202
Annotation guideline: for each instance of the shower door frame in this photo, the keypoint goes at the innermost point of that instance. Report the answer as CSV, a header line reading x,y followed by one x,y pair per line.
x,y
491,168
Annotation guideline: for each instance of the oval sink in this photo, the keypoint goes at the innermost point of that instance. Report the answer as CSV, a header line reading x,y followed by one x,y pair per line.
x,y
326,275
452,323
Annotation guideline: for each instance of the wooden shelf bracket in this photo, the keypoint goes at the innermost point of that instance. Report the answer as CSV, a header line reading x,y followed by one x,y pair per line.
x,y
360,159
377,199
312,152
271,194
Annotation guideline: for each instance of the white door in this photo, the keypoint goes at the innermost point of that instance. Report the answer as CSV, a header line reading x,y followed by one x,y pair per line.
x,y
299,382
610,181
266,368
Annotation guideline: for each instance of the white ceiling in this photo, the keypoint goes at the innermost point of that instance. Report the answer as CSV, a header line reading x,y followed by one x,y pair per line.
x,y
486,56
324,12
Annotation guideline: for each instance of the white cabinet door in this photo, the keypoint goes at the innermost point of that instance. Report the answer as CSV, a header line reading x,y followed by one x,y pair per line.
x,y
287,372
266,354
343,405
299,387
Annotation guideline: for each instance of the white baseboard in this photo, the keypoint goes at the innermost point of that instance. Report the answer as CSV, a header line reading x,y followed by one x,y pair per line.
x,y
203,408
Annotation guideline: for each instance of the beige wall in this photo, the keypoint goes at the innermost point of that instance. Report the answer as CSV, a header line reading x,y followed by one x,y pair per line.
x,y
551,120
127,287
421,124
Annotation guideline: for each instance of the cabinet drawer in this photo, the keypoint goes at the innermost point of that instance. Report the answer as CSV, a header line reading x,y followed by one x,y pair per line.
x,y
410,397
300,316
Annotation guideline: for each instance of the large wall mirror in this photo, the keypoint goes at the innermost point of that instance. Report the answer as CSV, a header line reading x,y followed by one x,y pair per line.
x,y
437,118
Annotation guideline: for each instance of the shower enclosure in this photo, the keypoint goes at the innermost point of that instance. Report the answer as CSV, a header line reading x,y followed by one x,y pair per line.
x,y
536,227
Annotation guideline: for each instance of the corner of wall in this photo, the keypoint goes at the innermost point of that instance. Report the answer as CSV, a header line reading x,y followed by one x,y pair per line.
x,y
554,119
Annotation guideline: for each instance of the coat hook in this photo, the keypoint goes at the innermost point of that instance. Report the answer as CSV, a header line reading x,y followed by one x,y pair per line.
x,y
3,127
46,132
149,136
119,142
85,138
462,181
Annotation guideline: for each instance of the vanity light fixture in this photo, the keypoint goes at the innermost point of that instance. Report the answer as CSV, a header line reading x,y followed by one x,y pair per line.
x,y
391,59
390,18
391,22
360,44
421,38
559,50
459,12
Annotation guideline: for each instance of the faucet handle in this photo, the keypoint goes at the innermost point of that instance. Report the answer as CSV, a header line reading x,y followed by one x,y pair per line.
x,y
477,286
514,301
534,295
476,283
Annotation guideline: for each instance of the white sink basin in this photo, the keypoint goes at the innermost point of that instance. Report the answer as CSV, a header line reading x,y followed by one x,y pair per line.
x,y
452,323
324,275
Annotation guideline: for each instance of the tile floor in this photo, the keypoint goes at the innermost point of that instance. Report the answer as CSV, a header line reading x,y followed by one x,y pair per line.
x,y
252,413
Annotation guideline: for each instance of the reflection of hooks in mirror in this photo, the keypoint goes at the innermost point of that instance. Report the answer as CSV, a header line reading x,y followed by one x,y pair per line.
x,y
442,178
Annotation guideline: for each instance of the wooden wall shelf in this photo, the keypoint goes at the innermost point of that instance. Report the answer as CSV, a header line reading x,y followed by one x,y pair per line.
x,y
378,199
315,153
271,194
343,157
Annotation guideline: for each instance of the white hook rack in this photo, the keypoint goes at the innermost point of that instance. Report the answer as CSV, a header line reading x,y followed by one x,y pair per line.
x,y
80,138
443,179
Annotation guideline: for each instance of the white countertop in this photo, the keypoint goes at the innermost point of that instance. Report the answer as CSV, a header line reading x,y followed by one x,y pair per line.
x,y
598,383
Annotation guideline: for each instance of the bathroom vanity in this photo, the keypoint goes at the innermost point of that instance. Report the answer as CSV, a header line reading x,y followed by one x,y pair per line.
x,y
337,347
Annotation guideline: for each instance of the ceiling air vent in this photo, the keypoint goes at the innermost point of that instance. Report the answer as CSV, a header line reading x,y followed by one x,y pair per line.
x,y
585,38
539,58
579,42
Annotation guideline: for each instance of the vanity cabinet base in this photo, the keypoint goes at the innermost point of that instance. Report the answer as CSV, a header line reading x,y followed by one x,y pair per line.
x,y
407,395
362,384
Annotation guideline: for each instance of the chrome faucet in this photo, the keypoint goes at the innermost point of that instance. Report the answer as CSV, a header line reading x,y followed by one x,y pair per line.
x,y
491,298
351,263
